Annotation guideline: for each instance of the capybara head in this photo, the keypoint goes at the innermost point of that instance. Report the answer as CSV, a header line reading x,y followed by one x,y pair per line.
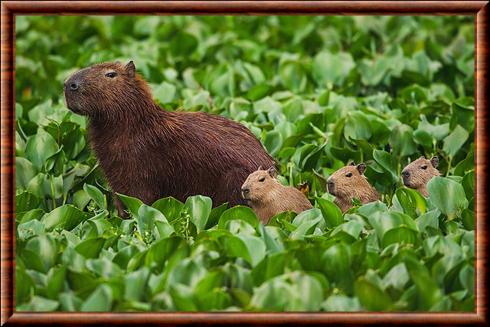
x,y
418,173
343,182
258,184
105,89
349,183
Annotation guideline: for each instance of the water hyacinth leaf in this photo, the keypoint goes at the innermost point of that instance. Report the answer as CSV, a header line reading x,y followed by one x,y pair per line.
x,y
135,284
412,203
306,222
26,201
40,147
271,266
382,222
371,296
428,292
401,140
95,194
24,286
331,212
281,293
386,161
332,68
170,207
242,213
25,171
56,282
447,195
66,217
39,303
342,303
100,300
454,141
399,235
164,92
215,215
199,208
90,248
131,203
273,142
255,246
357,127
462,115
336,262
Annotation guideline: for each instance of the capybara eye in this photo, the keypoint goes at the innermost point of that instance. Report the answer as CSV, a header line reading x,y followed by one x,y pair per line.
x,y
111,74
424,167
261,179
348,175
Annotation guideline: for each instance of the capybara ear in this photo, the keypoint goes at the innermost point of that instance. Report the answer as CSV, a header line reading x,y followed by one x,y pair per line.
x,y
434,161
361,168
272,171
351,163
130,69
260,168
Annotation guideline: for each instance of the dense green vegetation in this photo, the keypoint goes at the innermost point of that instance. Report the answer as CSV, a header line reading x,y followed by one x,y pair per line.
x,y
318,92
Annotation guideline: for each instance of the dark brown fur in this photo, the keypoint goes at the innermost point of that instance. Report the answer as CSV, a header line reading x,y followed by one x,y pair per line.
x,y
150,153
268,197
349,183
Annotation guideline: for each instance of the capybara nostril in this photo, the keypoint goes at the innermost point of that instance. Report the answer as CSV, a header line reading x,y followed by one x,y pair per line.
x,y
405,174
74,86
330,186
245,191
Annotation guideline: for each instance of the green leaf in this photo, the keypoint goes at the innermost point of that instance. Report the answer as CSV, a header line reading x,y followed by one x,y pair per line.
x,y
402,140
357,126
454,141
24,286
332,67
447,195
242,213
199,208
132,204
99,300
331,212
95,194
90,248
427,291
56,282
24,172
39,303
40,253
40,147
170,207
66,217
371,296
164,92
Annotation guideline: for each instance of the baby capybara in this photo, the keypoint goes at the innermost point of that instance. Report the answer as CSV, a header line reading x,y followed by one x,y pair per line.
x,y
349,183
268,197
418,173
150,153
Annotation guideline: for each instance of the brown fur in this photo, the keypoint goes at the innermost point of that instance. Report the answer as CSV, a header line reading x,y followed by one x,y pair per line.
x,y
418,173
349,183
268,197
149,153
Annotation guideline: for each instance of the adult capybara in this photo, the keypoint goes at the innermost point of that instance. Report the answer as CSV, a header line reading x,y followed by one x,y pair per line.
x,y
268,197
349,183
418,173
150,153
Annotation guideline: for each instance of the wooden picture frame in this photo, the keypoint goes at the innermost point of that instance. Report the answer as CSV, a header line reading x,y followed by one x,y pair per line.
x,y
10,9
